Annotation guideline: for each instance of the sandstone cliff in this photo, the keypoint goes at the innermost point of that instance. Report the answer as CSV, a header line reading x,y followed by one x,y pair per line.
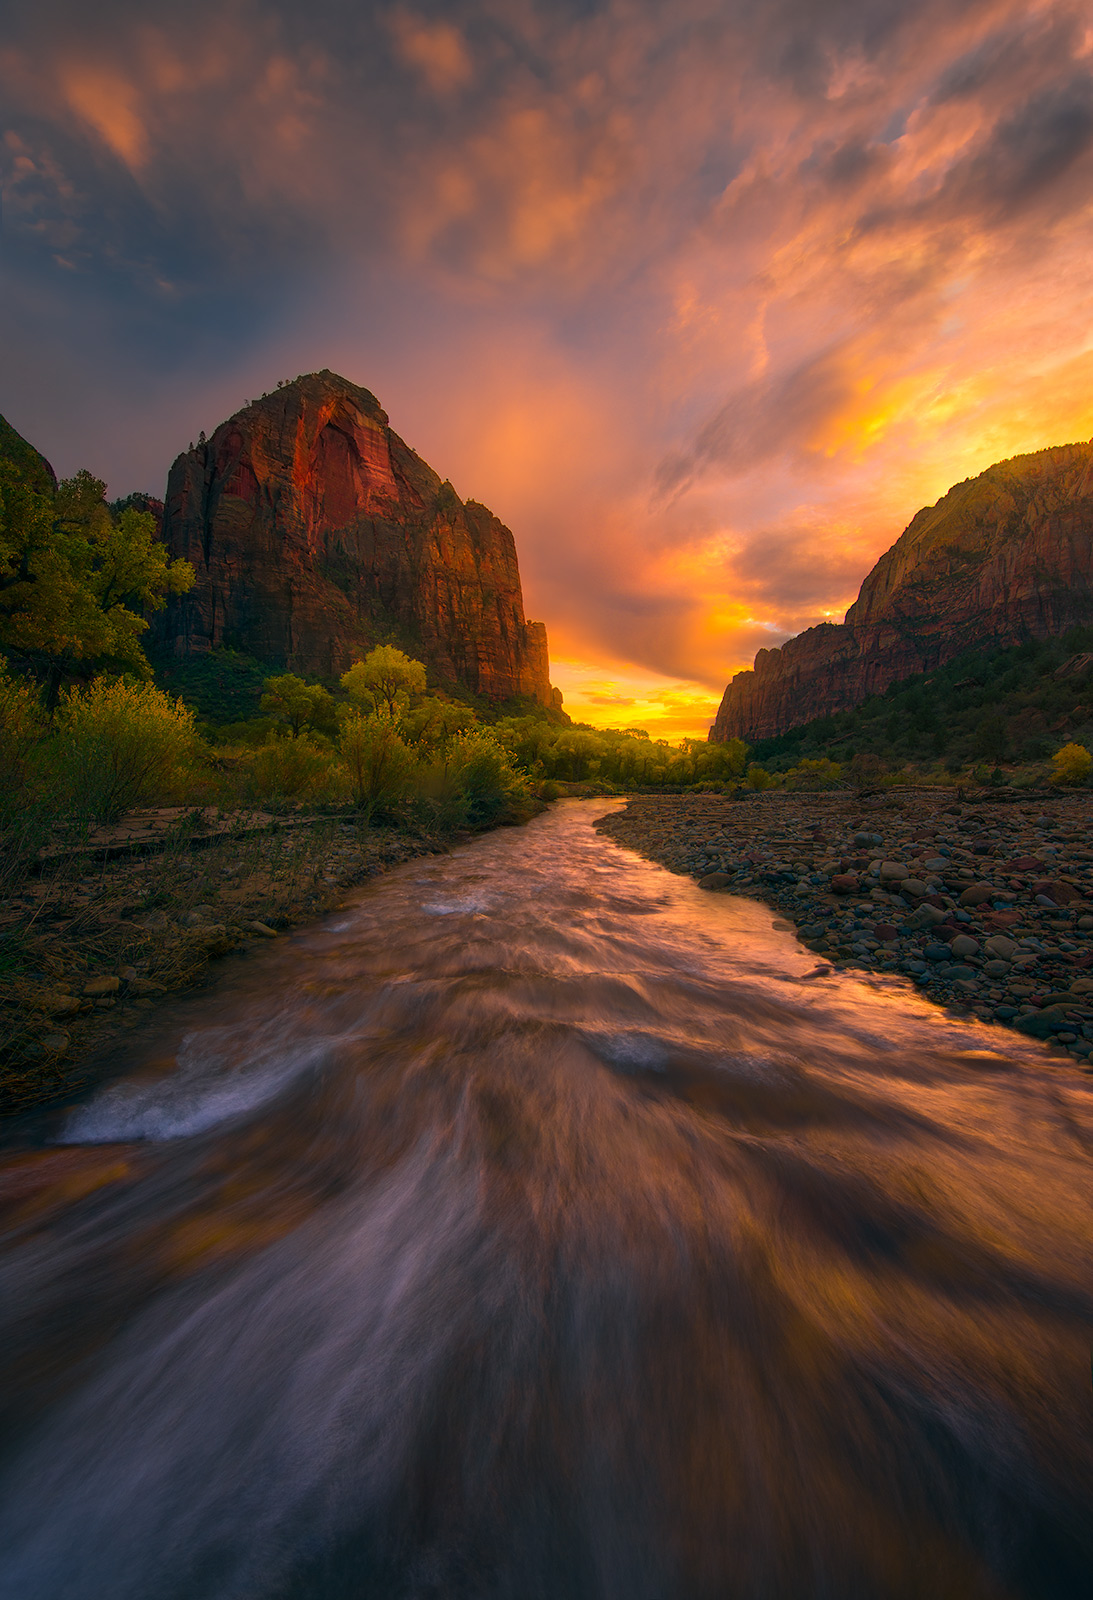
x,y
315,533
31,466
1002,557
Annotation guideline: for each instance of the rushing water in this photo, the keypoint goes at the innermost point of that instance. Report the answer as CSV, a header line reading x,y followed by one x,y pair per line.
x,y
543,1227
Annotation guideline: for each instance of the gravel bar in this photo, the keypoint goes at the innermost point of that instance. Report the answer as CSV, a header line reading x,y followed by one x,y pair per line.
x,y
987,907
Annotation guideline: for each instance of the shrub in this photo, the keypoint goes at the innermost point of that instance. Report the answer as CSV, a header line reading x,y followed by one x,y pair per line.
x,y
119,744
291,769
21,724
377,760
758,778
814,774
1072,764
488,784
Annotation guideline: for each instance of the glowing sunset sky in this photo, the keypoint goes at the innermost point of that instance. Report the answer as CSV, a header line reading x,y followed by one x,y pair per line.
x,y
704,300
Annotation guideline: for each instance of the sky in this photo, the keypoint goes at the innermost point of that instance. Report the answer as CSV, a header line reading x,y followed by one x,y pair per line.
x,y
704,299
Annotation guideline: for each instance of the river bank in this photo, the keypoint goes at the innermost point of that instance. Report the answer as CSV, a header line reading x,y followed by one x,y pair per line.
x,y
985,906
98,936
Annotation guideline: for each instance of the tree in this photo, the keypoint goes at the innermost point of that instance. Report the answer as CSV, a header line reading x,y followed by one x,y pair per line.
x,y
298,704
991,737
386,678
1072,764
74,582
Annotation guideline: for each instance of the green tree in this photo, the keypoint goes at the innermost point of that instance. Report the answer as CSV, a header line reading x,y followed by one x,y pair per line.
x,y
299,705
386,679
991,738
74,582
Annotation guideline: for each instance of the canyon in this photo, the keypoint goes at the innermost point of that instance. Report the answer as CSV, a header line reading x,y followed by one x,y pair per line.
x,y
1003,557
316,533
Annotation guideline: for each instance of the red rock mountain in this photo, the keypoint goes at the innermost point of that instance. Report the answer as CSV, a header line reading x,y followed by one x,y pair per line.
x,y
1003,557
316,533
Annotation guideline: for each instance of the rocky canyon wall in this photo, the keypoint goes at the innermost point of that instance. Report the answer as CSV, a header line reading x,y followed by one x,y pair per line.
x,y
1002,557
316,533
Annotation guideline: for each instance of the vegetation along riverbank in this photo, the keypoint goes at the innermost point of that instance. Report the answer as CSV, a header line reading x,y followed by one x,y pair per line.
x,y
986,906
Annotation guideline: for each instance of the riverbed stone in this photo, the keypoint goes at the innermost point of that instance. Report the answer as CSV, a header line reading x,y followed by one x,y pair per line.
x,y
715,880
964,945
97,988
976,894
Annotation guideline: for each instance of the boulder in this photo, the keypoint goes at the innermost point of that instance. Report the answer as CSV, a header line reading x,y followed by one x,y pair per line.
x,y
977,894
712,880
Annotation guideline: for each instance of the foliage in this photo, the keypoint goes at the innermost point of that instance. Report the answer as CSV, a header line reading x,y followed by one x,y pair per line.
x,y
221,686
74,581
118,744
386,679
758,778
298,705
291,769
432,722
992,706
21,728
377,760
1072,764
814,773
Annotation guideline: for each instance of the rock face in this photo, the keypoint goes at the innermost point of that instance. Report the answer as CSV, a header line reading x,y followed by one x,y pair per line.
x,y
31,466
316,533
1003,557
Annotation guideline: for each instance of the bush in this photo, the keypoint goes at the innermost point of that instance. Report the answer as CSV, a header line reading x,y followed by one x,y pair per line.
x,y
814,774
291,769
21,723
117,745
1072,764
758,778
377,760
488,784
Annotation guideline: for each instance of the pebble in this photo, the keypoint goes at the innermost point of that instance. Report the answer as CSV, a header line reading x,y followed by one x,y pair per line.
x,y
959,898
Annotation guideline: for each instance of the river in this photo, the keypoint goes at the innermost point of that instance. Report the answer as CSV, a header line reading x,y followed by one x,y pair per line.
x,y
541,1226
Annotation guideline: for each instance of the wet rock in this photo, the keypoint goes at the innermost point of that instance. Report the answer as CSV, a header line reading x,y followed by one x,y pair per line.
x,y
964,945
1042,1024
55,1044
715,880
844,883
893,871
263,930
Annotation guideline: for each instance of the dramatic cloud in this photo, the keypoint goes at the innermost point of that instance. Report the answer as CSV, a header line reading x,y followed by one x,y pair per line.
x,y
704,300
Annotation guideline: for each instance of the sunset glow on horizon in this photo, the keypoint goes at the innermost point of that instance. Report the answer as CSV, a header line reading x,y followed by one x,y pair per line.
x,y
704,302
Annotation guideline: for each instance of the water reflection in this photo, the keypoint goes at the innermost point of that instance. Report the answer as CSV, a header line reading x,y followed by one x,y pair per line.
x,y
541,1226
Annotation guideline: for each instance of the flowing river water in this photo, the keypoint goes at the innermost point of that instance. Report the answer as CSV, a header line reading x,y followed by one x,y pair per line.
x,y
540,1226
